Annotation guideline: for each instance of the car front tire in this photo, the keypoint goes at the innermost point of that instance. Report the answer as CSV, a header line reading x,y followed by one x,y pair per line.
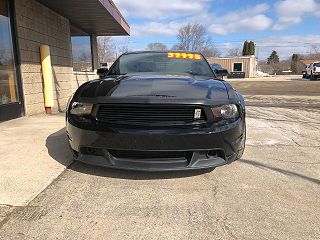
x,y
312,77
242,144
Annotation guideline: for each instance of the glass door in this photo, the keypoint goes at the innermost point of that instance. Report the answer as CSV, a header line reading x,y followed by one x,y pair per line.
x,y
10,104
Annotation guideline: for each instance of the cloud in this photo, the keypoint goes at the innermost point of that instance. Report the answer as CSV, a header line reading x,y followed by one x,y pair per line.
x,y
286,45
247,20
247,12
156,29
250,24
291,12
161,9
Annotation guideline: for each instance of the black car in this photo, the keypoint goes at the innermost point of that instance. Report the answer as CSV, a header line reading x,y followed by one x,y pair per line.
x,y
157,111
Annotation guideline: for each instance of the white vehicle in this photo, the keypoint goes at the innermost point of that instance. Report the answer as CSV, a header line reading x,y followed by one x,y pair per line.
x,y
313,70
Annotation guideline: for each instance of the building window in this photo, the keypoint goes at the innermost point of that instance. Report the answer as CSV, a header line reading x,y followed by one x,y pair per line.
x,y
8,79
82,53
237,67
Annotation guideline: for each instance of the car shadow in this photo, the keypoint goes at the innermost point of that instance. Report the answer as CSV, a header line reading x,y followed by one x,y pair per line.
x,y
58,149
280,170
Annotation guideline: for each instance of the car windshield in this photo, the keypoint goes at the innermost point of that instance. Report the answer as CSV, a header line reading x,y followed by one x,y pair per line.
x,y
316,64
162,63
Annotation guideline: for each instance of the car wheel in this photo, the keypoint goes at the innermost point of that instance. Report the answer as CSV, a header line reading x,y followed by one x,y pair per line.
x,y
243,143
312,77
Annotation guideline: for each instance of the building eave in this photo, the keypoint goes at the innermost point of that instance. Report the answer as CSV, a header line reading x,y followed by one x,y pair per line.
x,y
98,17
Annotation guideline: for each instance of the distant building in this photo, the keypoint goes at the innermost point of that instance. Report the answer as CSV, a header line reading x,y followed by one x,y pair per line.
x,y
308,61
247,65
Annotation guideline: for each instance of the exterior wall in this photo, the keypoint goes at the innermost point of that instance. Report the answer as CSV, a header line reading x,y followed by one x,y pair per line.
x,y
37,25
253,67
248,64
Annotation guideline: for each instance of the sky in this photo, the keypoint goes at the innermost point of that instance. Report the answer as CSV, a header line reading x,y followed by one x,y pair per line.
x,y
287,26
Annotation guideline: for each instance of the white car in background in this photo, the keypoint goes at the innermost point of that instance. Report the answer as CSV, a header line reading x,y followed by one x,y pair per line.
x,y
313,71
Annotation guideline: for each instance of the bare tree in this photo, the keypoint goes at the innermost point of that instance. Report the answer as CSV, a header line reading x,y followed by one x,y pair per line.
x,y
234,52
106,50
123,49
156,46
314,53
315,49
211,51
194,37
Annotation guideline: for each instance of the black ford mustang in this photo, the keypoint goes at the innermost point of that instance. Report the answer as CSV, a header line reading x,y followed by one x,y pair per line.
x,y
157,111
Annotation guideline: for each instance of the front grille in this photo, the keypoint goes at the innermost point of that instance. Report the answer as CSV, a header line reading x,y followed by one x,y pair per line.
x,y
149,114
151,154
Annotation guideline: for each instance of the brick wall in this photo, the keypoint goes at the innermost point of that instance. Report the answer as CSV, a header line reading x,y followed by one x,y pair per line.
x,y
37,25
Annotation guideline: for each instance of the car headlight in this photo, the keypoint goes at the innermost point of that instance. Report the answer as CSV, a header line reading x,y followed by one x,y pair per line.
x,y
80,109
229,111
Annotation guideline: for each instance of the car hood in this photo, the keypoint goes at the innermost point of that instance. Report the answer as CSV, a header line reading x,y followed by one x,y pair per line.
x,y
155,86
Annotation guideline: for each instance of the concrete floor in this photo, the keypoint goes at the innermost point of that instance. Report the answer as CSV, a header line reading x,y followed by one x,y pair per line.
x,y
30,150
271,193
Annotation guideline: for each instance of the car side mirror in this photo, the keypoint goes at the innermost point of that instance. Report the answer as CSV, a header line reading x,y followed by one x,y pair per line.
x,y
221,72
102,72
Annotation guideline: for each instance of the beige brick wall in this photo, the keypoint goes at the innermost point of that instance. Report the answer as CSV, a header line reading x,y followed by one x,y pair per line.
x,y
37,25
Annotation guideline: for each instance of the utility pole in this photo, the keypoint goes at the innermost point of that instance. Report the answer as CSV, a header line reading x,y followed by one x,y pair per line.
x,y
257,55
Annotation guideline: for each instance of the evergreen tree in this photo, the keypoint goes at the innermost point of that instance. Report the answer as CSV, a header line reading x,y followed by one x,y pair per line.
x,y
252,49
274,58
294,63
248,48
245,48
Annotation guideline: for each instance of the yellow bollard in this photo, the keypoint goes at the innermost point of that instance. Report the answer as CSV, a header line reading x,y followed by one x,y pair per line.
x,y
47,77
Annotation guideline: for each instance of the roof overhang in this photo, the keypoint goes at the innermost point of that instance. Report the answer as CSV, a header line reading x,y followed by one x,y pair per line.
x,y
98,17
309,61
240,57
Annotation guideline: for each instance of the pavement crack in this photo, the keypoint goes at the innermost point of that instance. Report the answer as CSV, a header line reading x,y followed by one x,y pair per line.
x,y
226,228
8,216
283,145
296,162
295,142
8,205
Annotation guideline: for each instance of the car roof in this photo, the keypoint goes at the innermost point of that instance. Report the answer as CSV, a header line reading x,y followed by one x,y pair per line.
x,y
164,51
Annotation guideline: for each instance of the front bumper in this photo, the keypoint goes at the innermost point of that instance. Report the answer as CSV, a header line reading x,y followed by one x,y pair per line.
x,y
205,147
